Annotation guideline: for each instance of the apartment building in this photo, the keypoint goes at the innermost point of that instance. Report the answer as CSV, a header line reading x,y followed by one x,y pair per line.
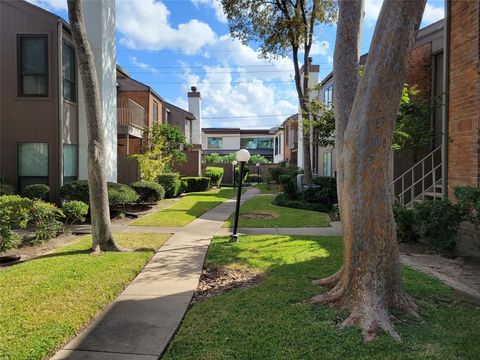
x,y
227,140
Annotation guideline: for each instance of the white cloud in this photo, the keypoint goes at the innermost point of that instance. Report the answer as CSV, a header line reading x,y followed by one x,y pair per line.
x,y
433,11
51,5
143,66
432,14
216,5
319,48
145,25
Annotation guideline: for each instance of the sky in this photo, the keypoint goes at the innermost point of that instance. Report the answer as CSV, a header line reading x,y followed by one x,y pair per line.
x,y
172,45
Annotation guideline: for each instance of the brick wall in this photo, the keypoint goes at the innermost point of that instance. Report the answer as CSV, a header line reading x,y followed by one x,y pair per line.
x,y
464,96
464,109
419,70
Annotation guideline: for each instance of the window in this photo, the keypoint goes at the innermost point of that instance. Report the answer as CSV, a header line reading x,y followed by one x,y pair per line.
x,y
32,65
263,143
32,164
328,96
69,163
214,143
277,145
155,112
69,72
327,164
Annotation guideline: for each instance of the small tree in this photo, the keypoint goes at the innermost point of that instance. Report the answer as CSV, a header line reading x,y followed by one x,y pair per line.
x,y
174,142
283,28
102,238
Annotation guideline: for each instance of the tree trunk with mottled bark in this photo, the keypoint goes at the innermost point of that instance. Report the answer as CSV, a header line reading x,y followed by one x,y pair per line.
x,y
102,239
369,284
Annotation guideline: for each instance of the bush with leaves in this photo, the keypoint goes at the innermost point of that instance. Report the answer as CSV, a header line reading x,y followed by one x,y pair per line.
x,y
437,222
215,174
74,211
118,194
179,188
283,169
228,159
14,213
6,189
246,171
168,181
37,192
149,191
283,200
254,178
405,219
196,183
322,191
45,217
289,186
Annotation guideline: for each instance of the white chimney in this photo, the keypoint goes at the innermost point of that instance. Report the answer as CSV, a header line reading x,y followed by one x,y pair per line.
x,y
194,106
313,73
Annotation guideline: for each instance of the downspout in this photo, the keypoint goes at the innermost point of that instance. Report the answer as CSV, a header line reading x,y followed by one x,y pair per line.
x,y
445,98
60,101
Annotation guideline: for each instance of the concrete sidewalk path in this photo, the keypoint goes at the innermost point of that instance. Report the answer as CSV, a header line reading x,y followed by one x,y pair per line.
x,y
320,231
139,324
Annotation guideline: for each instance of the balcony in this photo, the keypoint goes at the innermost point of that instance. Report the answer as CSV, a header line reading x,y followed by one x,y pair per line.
x,y
130,118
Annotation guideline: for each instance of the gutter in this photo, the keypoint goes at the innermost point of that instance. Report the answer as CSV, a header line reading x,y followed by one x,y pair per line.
x,y
445,98
60,100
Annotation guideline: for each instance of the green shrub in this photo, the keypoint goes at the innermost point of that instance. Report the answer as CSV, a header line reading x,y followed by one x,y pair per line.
x,y
149,191
254,178
37,192
323,191
6,189
468,198
14,212
45,217
246,171
437,222
289,183
196,183
180,187
118,194
283,200
405,219
283,169
74,211
215,174
168,181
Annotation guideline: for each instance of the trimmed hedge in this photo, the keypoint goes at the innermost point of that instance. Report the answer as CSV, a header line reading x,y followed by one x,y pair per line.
x,y
283,200
6,189
36,192
246,171
254,178
14,213
149,191
196,183
215,174
169,181
118,194
323,191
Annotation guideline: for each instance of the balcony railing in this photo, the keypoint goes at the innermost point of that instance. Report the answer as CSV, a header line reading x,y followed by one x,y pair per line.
x,y
129,113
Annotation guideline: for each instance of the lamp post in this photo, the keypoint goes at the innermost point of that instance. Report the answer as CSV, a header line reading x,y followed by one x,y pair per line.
x,y
234,164
258,173
242,156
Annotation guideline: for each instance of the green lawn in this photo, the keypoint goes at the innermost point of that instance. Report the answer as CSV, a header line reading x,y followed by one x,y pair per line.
x,y
282,216
265,190
266,321
47,300
186,209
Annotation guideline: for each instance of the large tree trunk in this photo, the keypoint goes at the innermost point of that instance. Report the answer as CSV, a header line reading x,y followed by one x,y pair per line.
x,y
369,284
102,238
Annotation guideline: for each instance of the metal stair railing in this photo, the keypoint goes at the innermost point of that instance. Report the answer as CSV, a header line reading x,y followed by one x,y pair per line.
x,y
416,181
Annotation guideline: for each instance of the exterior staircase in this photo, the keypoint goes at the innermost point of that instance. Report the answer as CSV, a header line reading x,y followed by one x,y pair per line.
x,y
423,181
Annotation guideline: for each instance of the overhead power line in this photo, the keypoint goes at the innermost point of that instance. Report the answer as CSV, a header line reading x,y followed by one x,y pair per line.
x,y
244,116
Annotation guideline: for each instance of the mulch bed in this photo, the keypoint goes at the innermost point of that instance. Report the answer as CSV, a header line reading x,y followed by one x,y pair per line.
x,y
257,216
218,280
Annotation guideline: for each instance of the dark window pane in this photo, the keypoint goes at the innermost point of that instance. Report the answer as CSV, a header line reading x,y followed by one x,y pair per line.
x,y
69,73
33,65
